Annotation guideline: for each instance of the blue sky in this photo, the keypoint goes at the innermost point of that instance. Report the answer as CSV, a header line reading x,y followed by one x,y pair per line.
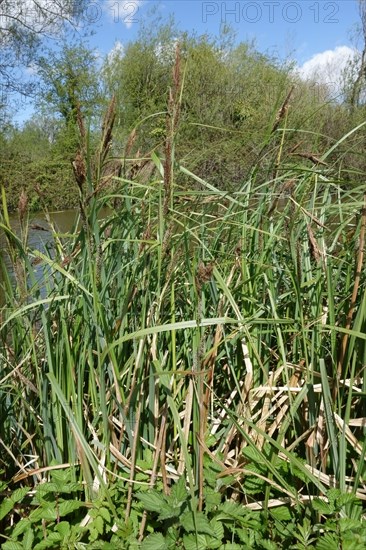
x,y
313,33
299,29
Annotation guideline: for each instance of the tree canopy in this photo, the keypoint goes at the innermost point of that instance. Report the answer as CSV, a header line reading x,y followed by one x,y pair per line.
x,y
236,106
23,27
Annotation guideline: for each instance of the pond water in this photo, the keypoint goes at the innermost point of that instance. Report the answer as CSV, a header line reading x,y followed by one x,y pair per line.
x,y
39,236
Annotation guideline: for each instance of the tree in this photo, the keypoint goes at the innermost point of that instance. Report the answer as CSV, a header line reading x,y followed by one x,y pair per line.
x,y
69,81
355,77
69,78
23,26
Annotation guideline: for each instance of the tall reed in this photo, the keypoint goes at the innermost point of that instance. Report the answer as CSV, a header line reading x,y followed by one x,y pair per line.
x,y
234,333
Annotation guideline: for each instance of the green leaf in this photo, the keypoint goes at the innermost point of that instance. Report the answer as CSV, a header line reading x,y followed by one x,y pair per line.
x,y
268,545
346,498
254,484
155,541
333,495
328,542
248,537
282,513
28,540
98,524
10,545
193,542
179,491
43,513
322,507
230,509
104,512
19,494
169,511
9,502
5,507
218,528
69,506
152,501
48,487
212,499
254,455
21,527
63,528
93,533
196,523
52,541
352,525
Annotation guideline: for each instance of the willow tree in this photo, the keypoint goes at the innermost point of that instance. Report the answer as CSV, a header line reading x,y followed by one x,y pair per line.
x,y
24,25
68,80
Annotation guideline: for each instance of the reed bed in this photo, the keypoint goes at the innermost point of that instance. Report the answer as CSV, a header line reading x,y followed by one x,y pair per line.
x,y
191,331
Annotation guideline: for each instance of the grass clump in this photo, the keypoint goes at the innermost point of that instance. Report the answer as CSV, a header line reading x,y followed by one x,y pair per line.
x,y
188,371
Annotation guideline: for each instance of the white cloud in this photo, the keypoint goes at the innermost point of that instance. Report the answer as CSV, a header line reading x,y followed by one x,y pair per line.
x,y
328,67
116,52
126,12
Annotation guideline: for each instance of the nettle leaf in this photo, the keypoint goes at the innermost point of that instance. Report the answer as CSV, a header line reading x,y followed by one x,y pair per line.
x,y
28,539
61,475
146,463
282,513
211,471
155,541
98,524
218,528
48,514
21,527
63,528
322,507
48,487
9,502
253,484
104,512
353,540
252,454
94,534
152,501
172,536
10,545
52,541
19,494
297,472
179,491
212,499
169,511
200,524
247,536
69,506
193,542
5,507
230,509
224,481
